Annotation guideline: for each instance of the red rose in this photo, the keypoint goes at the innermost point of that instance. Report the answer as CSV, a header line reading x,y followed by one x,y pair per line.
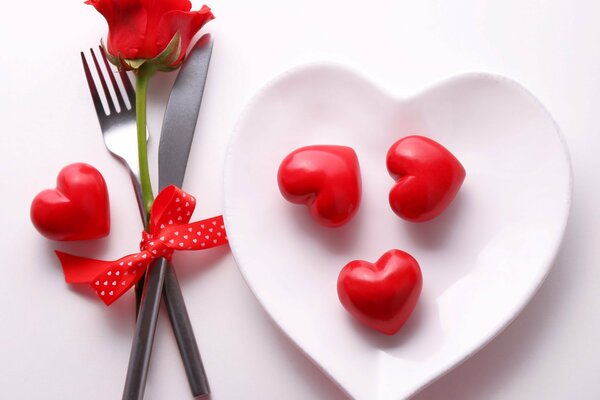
x,y
142,29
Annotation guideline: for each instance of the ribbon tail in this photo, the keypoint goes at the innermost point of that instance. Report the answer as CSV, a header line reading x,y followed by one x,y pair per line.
x,y
109,279
80,269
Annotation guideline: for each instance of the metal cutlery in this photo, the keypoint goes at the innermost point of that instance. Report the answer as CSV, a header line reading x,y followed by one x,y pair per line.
x,y
119,132
118,126
176,138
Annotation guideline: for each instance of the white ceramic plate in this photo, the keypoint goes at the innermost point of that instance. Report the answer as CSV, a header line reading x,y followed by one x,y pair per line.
x,y
482,260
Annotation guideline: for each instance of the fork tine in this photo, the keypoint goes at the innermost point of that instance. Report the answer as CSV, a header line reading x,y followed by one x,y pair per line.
x,y
92,86
113,81
128,87
111,105
130,93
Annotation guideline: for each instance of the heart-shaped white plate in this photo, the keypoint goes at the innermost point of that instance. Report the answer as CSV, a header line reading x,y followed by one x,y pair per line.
x,y
482,260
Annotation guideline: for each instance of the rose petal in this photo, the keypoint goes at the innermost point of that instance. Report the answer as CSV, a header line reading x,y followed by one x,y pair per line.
x,y
142,29
186,23
155,9
127,24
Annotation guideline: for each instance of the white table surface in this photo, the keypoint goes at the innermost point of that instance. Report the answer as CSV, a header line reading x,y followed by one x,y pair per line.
x,y
57,342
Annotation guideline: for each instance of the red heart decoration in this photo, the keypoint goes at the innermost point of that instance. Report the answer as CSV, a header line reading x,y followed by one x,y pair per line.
x,y
326,178
381,295
77,209
427,178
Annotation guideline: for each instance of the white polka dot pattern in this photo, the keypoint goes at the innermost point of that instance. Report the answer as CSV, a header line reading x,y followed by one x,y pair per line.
x,y
169,231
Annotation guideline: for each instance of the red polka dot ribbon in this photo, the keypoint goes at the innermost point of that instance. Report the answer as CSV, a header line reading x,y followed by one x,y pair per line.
x,y
170,230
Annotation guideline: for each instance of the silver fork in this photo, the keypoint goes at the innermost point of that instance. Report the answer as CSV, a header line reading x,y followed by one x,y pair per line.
x,y
120,138
118,127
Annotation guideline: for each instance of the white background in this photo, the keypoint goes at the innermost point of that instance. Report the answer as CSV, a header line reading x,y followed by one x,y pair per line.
x,y
58,342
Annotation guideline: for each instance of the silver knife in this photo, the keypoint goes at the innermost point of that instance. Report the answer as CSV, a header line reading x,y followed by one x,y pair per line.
x,y
177,134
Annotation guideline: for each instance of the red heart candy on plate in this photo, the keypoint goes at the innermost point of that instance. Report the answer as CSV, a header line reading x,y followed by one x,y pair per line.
x,y
77,209
381,295
427,178
326,178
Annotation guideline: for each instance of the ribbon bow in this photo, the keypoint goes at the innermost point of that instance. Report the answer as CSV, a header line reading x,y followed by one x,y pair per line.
x,y
170,230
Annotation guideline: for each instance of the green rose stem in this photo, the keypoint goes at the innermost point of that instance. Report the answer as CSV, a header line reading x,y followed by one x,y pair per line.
x,y
144,69
143,75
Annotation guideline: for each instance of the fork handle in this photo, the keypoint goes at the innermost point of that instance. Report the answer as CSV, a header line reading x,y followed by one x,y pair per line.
x,y
161,279
143,338
180,322
184,333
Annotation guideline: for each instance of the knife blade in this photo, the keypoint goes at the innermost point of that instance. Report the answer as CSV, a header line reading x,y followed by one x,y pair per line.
x,y
177,134
181,115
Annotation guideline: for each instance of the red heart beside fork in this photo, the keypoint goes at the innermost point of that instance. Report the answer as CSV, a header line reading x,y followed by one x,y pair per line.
x,y
77,209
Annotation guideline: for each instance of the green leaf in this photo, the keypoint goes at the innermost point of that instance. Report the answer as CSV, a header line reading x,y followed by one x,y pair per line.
x,y
169,55
113,60
135,63
162,62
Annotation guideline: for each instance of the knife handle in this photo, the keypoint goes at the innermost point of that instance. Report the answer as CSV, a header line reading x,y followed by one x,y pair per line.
x,y
141,349
184,333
